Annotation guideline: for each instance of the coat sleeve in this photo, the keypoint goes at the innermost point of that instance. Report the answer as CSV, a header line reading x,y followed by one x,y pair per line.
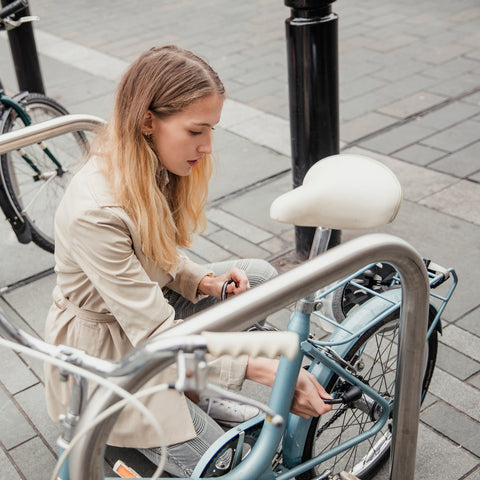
x,y
186,277
102,247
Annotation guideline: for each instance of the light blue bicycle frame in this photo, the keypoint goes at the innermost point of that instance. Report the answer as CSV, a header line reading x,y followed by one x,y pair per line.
x,y
87,460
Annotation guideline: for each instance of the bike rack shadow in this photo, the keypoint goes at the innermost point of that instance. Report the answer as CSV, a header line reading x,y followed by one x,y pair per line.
x,y
253,305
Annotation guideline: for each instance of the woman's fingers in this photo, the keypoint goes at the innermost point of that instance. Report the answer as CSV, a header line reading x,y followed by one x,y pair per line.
x,y
307,400
239,283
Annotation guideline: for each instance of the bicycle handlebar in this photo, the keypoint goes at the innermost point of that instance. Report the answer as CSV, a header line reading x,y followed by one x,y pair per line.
x,y
269,344
265,344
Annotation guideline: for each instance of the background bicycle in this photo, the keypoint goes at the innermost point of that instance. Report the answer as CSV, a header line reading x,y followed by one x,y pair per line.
x,y
32,179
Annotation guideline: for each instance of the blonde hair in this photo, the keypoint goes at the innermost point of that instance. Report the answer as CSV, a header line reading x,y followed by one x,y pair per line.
x,y
164,80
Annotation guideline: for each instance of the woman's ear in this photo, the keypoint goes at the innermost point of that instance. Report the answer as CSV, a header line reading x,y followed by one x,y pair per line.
x,y
147,126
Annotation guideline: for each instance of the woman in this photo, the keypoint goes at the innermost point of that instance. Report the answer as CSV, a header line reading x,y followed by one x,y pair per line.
x,y
120,275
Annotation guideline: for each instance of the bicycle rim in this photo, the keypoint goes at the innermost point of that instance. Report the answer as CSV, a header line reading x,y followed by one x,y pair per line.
x,y
375,357
37,195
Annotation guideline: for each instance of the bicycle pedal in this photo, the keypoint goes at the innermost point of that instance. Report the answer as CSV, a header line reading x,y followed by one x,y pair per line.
x,y
123,471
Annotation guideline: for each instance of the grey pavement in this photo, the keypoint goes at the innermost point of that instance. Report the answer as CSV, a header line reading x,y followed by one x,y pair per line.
x,y
409,96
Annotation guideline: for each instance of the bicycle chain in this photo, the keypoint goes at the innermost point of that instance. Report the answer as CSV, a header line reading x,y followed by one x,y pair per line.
x,y
329,422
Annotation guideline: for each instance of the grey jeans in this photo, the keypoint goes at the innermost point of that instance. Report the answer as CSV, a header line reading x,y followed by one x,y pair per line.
x,y
183,457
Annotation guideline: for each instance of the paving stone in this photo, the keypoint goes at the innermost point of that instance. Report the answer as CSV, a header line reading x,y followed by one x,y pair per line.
x,y
400,70
448,115
280,319
241,167
460,200
32,301
462,163
277,245
34,459
362,105
14,428
238,245
430,448
14,374
255,205
456,393
360,86
416,103
471,322
451,69
475,177
454,425
238,226
455,363
456,86
407,86
442,53
32,401
475,381
20,261
474,476
398,138
204,248
419,154
364,125
473,99
462,340
454,138
392,43
6,467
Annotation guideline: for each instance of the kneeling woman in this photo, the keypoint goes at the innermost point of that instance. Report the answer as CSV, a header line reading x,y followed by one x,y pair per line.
x,y
121,277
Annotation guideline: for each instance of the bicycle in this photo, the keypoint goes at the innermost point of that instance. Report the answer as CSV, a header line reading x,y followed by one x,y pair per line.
x,y
357,363
33,179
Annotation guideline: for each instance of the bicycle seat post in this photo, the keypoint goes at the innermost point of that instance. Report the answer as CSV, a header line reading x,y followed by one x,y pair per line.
x,y
320,241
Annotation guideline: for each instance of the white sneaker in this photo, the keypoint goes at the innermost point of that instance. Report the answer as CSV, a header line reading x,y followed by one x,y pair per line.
x,y
227,412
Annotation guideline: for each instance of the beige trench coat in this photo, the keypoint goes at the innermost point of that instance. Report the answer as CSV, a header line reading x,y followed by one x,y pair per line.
x,y
108,299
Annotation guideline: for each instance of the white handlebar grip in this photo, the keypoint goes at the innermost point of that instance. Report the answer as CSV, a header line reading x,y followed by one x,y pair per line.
x,y
261,344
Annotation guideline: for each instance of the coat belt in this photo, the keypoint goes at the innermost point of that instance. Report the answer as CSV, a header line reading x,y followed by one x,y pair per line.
x,y
64,304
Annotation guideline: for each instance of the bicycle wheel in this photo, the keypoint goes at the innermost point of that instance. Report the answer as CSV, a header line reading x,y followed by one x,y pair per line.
x,y
375,357
32,180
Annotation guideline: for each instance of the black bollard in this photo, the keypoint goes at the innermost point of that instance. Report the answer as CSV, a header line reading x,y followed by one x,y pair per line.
x,y
24,53
312,54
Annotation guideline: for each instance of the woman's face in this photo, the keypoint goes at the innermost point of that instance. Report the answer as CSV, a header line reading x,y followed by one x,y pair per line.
x,y
181,140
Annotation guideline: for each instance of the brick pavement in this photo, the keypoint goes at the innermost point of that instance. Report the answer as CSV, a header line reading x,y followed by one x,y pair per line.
x,y
409,92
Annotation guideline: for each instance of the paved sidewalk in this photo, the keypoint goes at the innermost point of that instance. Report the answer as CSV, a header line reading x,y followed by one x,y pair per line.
x,y
410,97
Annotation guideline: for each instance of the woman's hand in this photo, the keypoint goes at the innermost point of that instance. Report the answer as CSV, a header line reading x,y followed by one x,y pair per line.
x,y
307,399
213,285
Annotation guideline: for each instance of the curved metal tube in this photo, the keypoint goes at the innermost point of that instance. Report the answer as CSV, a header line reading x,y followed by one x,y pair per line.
x,y
265,299
48,129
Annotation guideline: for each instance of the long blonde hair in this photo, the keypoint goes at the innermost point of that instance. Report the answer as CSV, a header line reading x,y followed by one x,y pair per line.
x,y
164,80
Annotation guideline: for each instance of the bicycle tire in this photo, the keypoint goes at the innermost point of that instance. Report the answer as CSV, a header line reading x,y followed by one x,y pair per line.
x,y
37,196
343,300
377,349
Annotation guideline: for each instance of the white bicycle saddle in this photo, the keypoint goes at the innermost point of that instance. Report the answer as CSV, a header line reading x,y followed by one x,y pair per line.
x,y
342,192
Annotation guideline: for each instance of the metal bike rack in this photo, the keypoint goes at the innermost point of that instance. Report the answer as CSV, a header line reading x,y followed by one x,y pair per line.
x,y
253,305
48,129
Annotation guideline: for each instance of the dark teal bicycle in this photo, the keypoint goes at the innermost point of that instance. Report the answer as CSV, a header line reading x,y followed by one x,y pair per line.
x,y
33,179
